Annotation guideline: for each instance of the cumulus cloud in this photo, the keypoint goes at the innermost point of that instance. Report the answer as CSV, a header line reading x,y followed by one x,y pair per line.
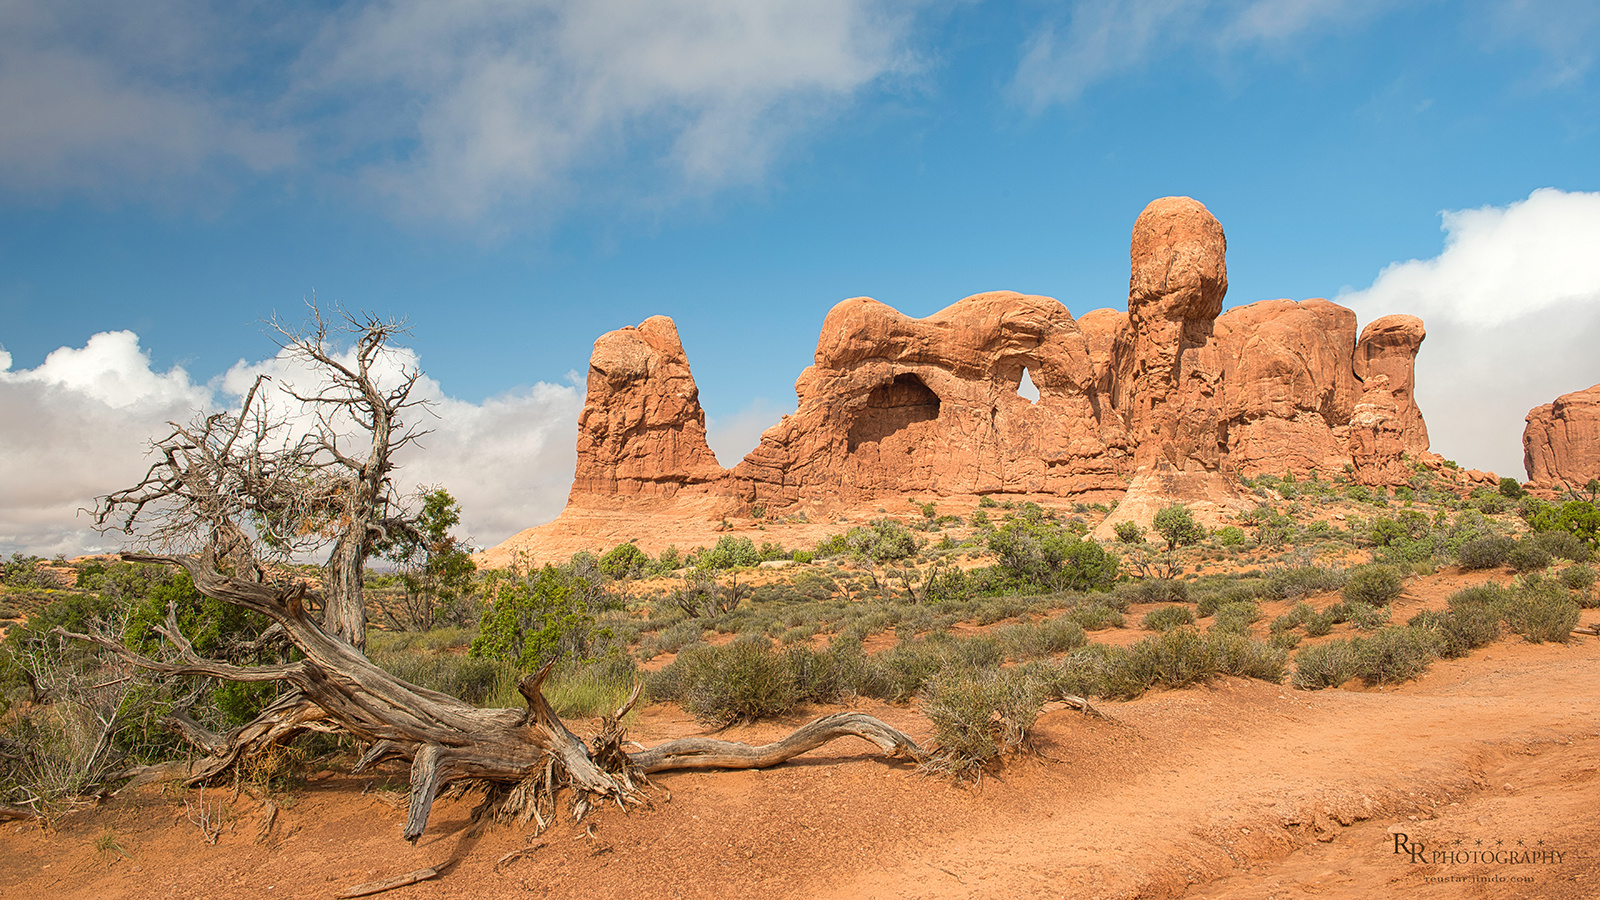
x,y
77,427
451,108
489,101
1512,308
1094,42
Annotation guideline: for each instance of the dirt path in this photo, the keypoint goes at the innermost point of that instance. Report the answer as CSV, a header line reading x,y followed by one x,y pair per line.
x,y
1232,791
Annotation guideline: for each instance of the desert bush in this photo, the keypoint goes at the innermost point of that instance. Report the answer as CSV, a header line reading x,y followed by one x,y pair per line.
x,y
1542,611
1230,536
1303,581
740,681
1042,556
536,618
1580,579
1096,617
1297,615
1130,533
978,714
1174,658
472,679
1374,585
1237,655
1284,640
1365,616
1561,545
1150,590
1321,623
1033,640
1236,617
1528,556
1326,665
1485,553
1167,617
1397,654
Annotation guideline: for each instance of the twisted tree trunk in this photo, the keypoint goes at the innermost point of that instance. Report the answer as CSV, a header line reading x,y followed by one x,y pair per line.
x,y
523,756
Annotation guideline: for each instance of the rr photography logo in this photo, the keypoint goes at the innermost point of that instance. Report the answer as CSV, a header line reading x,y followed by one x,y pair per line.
x,y
1479,852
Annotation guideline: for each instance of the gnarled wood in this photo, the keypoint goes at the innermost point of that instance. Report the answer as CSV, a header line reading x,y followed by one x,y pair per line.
x,y
707,753
525,756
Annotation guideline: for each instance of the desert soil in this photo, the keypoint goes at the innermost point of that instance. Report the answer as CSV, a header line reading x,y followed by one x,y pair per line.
x,y
1235,790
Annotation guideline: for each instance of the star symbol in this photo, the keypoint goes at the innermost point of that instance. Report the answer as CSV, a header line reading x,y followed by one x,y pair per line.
x,y
1519,842
1541,842
1478,842
1459,842
1498,842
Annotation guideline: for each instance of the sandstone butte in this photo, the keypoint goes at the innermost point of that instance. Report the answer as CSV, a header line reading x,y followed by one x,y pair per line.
x,y
1561,443
1169,402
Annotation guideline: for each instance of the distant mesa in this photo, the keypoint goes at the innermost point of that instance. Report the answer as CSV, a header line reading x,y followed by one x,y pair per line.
x,y
1170,401
1561,443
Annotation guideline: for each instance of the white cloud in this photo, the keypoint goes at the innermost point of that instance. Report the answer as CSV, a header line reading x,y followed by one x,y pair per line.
x,y
77,427
493,101
106,97
1101,40
1512,308
453,108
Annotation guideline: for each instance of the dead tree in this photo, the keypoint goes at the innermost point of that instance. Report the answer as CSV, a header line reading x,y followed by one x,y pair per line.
x,y
232,494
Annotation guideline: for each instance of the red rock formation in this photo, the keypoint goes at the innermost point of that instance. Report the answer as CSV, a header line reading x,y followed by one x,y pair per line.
x,y
1290,387
1561,443
1386,424
895,405
642,430
1173,394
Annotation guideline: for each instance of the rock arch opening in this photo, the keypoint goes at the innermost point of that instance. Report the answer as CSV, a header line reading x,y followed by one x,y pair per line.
x,y
893,407
1026,389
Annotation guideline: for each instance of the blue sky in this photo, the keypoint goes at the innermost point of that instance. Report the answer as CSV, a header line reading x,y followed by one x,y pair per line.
x,y
518,178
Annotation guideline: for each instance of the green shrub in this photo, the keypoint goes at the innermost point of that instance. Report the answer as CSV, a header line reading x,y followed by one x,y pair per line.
x,y
1298,615
976,714
1485,553
1299,583
1374,585
1096,617
1033,640
534,619
1579,578
472,679
1237,655
1542,611
738,682
1366,616
1528,556
1130,533
1236,617
1397,654
1561,545
1230,536
1511,489
1174,658
1326,665
1167,617
1321,623
624,561
1150,590
1042,556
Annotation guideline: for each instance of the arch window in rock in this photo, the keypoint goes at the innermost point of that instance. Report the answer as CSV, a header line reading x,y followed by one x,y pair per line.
x,y
893,407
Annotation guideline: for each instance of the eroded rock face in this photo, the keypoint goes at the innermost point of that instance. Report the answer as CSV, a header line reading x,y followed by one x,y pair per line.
x,y
895,404
642,430
1561,443
1386,424
1170,401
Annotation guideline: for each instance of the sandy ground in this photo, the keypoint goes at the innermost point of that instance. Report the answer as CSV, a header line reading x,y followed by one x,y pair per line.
x,y
1236,790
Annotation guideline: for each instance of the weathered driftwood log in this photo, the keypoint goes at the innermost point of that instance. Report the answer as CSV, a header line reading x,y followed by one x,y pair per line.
x,y
523,756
